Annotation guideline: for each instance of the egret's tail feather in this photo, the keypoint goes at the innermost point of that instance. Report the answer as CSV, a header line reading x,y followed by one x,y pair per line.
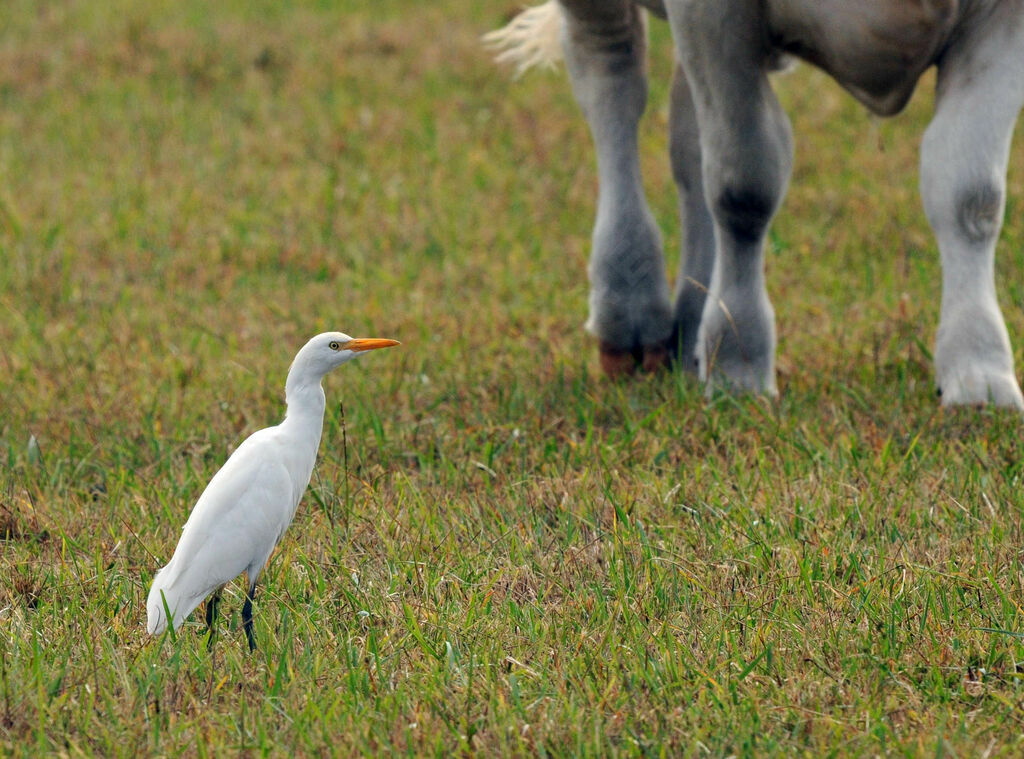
x,y
533,38
162,600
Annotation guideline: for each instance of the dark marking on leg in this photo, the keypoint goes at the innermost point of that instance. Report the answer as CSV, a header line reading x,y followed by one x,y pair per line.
x,y
745,212
979,212
610,35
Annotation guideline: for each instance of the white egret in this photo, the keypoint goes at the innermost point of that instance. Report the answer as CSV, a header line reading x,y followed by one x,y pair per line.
x,y
249,503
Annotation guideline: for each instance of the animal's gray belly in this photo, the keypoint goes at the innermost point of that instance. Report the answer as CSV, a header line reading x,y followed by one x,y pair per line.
x,y
876,49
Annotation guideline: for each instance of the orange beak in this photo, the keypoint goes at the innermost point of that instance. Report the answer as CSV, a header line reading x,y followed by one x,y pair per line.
x,y
369,343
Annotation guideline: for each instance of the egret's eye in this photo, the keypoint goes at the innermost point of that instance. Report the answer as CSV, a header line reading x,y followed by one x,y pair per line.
x,y
334,345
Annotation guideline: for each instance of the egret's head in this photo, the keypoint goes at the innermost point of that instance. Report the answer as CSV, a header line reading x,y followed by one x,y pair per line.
x,y
332,349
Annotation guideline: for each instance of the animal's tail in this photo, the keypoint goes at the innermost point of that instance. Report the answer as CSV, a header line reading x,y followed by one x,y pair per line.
x,y
533,38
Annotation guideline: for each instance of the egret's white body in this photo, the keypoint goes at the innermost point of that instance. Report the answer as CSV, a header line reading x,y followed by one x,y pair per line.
x,y
249,503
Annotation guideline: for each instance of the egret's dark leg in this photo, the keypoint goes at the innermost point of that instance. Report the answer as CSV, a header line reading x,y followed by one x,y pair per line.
x,y
247,616
211,617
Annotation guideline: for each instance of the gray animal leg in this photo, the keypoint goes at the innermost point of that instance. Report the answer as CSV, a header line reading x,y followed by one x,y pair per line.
x,y
630,313
964,156
746,148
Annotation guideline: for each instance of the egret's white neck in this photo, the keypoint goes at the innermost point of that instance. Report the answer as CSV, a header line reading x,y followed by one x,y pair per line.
x,y
305,396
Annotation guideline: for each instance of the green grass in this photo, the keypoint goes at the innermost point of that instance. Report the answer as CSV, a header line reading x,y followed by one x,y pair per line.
x,y
511,555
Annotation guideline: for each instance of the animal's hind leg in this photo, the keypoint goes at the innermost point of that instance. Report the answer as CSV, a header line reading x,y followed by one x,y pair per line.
x,y
746,150
630,314
698,253
250,596
980,91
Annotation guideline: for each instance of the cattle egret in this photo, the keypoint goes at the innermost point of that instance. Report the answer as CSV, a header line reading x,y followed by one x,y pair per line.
x,y
249,503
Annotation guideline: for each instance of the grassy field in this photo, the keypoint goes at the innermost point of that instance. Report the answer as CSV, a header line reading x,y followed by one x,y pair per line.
x,y
500,553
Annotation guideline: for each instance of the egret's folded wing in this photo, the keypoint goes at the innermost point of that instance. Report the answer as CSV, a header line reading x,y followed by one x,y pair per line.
x,y
233,527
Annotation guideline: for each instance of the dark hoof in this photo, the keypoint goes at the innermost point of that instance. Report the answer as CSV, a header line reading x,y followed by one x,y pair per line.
x,y
616,363
656,358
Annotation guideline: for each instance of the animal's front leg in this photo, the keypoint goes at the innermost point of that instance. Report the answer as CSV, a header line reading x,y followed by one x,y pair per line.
x,y
963,183
746,149
629,297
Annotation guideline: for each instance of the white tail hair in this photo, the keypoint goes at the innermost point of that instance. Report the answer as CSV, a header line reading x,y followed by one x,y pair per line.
x,y
533,38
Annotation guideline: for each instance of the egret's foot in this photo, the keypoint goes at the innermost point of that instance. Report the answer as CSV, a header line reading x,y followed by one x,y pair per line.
x,y
617,362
